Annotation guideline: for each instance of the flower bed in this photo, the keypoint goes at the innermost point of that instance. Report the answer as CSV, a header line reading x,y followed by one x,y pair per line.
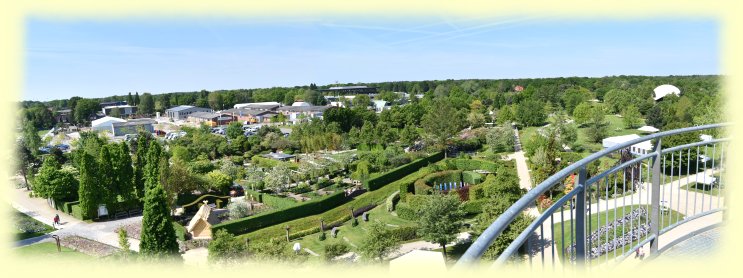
x,y
133,230
88,246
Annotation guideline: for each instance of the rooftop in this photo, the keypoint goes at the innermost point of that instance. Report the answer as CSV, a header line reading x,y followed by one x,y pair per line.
x,y
179,108
303,108
135,122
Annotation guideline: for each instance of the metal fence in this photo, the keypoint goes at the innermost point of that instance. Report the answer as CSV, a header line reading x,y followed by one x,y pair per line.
x,y
611,213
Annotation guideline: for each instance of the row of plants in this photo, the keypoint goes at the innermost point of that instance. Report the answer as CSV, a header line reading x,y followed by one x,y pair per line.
x,y
253,223
270,200
334,217
402,171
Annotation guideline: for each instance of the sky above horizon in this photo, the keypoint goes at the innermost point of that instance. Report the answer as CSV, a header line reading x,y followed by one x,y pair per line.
x,y
94,58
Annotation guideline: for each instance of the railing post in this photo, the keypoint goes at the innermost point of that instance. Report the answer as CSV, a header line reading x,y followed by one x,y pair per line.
x,y
580,218
655,200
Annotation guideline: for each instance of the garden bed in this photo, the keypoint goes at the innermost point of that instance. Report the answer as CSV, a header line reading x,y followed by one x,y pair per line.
x,y
88,246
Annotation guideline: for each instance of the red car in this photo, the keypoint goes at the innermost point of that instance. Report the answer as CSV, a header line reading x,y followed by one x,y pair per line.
x,y
159,132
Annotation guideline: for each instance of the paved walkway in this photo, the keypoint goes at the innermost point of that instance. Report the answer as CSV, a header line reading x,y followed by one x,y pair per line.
x,y
39,209
424,245
525,181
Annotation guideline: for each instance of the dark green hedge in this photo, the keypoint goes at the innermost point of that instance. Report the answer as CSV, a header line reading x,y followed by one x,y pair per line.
x,y
400,172
476,164
445,176
473,207
404,211
271,200
194,206
67,208
405,233
77,212
252,223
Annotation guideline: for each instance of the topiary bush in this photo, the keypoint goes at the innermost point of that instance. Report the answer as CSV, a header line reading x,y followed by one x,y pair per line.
x,y
392,201
322,236
355,222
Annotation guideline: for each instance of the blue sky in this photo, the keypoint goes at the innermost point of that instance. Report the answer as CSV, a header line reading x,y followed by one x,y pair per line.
x,y
92,58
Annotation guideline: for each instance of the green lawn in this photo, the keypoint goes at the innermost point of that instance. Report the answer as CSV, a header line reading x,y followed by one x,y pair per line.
x,y
23,220
354,234
600,219
49,249
43,131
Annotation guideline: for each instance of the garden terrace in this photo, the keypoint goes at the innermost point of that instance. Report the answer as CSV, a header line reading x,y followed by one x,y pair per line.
x,y
335,216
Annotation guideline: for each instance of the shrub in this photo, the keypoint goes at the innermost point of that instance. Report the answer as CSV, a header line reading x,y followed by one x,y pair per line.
x,y
334,250
355,222
322,236
77,212
392,201
473,207
404,211
256,222
400,172
470,177
404,233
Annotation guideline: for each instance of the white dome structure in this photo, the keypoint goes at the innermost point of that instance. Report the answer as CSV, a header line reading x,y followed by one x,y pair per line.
x,y
664,90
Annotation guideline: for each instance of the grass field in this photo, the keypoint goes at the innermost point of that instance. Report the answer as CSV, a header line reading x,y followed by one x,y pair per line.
x,y
24,220
355,235
600,219
49,250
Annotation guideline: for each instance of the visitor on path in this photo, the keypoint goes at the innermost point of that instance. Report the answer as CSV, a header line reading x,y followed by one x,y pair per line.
x,y
56,219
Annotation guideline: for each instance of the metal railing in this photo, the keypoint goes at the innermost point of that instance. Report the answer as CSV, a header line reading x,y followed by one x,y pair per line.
x,y
610,214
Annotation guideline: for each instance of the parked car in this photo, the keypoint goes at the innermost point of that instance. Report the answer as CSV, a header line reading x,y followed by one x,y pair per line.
x,y
160,132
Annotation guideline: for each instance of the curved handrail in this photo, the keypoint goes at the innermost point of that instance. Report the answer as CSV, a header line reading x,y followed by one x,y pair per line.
x,y
481,244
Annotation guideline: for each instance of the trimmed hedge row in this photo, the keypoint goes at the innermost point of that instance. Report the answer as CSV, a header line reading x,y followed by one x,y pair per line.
x,y
334,217
392,201
193,206
77,212
445,176
67,206
473,207
400,172
405,233
475,164
270,163
253,223
271,200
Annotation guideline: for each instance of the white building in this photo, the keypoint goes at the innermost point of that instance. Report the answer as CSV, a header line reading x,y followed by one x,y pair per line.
x,y
381,105
664,90
301,104
267,103
105,123
636,149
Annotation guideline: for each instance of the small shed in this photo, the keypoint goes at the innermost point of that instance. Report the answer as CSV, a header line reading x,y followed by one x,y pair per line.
x,y
200,226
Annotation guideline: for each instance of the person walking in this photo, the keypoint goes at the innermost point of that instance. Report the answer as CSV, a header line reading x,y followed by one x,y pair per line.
x,y
56,219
